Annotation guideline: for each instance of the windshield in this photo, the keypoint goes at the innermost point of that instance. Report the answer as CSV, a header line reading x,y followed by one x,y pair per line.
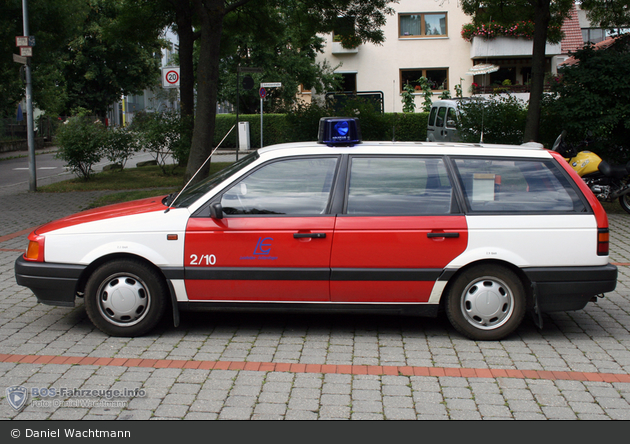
x,y
190,195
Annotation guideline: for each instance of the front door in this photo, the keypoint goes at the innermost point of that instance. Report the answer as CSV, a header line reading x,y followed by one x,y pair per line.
x,y
274,240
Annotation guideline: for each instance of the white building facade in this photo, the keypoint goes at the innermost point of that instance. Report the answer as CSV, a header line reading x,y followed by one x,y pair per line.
x,y
424,38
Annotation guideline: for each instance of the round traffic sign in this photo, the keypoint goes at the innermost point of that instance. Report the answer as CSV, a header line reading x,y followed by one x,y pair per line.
x,y
262,92
172,77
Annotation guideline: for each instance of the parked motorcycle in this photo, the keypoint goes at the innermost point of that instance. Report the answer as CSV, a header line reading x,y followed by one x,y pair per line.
x,y
607,182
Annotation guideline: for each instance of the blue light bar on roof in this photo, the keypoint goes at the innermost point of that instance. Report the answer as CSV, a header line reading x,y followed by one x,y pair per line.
x,y
344,131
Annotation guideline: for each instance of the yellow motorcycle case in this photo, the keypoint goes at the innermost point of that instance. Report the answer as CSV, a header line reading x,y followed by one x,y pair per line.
x,y
585,162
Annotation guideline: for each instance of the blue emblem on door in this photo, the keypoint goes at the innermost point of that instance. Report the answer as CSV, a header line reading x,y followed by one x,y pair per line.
x,y
263,246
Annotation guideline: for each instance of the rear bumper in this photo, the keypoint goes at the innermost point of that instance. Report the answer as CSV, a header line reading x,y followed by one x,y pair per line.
x,y
52,284
570,288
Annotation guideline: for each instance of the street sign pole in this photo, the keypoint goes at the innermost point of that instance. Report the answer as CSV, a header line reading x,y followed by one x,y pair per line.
x,y
32,174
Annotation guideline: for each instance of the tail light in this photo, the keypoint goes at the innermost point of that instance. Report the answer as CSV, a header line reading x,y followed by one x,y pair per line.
x,y
603,237
35,250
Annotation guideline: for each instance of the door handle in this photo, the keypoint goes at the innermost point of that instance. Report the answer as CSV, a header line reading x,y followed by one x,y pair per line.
x,y
309,235
433,235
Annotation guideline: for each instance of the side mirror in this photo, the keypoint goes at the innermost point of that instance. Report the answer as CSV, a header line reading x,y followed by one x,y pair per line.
x,y
216,211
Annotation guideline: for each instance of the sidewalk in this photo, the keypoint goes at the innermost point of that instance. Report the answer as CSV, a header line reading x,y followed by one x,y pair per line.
x,y
225,365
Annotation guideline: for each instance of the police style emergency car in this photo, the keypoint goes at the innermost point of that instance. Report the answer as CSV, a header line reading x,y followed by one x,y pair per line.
x,y
484,232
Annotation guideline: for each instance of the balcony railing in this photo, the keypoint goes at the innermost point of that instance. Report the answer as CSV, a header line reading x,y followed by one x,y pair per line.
x,y
514,89
508,47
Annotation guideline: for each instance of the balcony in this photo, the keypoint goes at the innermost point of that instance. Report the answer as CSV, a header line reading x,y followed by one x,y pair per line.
x,y
508,47
338,49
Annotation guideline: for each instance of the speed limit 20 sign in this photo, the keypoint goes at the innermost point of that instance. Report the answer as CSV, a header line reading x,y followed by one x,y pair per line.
x,y
170,77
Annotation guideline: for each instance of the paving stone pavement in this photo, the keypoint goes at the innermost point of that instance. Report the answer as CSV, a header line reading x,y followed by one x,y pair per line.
x,y
168,367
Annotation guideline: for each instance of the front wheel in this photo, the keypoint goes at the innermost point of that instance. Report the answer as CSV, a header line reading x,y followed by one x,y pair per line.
x,y
624,201
125,297
486,302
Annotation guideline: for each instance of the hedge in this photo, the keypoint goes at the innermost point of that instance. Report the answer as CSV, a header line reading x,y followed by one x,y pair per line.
x,y
281,128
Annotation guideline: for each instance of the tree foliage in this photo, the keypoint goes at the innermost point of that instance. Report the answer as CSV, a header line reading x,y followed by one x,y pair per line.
x,y
52,22
271,37
105,61
544,13
310,17
608,13
594,95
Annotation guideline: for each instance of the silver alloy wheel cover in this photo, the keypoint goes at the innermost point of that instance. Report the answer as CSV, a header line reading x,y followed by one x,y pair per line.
x,y
487,303
123,299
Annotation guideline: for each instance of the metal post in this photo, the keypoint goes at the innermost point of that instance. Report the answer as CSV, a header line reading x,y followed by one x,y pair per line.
x,y
32,172
238,98
261,122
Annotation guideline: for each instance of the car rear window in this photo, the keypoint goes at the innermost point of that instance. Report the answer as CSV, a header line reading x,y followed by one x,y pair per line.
x,y
517,186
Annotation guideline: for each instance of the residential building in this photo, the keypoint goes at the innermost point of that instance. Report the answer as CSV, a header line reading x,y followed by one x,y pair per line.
x,y
424,38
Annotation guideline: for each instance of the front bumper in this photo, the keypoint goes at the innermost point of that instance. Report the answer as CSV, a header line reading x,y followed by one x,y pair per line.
x,y
53,284
570,288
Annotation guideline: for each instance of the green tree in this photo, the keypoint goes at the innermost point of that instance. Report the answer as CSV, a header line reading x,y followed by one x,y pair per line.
x,y
543,13
269,37
105,61
311,17
608,13
593,95
52,22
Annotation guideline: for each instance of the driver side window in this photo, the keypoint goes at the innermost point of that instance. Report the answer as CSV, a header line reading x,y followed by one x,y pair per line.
x,y
288,187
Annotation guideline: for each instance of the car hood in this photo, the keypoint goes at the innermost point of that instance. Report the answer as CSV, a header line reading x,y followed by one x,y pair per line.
x,y
107,212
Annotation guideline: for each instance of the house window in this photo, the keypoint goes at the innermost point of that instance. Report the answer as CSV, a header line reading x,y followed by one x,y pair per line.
x,y
422,25
438,78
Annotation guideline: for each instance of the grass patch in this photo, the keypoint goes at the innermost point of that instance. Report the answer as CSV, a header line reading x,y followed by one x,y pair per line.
x,y
126,196
127,179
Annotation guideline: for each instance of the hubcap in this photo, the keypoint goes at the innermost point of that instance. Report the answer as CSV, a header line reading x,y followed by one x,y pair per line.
x,y
123,299
487,303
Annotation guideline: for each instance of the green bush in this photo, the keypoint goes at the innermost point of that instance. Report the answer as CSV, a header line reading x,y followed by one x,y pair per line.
x,y
160,135
501,118
119,145
80,141
302,125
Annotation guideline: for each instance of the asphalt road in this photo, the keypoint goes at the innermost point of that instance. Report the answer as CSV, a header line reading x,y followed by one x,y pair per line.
x,y
14,168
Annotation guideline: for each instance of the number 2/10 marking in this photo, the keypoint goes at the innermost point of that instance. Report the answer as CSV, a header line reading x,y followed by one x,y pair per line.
x,y
205,259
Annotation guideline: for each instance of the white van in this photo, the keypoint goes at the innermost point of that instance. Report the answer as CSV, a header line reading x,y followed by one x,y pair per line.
x,y
443,118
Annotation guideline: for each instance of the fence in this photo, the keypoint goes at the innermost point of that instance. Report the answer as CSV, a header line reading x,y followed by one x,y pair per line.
x,y
13,134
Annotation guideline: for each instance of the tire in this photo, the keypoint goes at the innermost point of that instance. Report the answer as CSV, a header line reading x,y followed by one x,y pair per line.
x,y
624,201
486,315
125,297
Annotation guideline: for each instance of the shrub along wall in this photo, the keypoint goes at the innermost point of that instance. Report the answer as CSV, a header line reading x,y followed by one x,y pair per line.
x,y
281,128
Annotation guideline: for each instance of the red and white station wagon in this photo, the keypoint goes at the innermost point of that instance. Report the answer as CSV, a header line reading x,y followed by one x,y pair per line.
x,y
485,232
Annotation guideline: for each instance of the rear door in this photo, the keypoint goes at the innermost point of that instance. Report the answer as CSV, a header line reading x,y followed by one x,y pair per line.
x,y
274,241
401,226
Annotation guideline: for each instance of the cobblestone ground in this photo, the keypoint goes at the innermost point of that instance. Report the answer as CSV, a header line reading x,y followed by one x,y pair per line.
x,y
307,366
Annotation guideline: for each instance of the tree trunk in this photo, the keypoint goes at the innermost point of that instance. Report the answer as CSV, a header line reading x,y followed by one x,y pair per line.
x,y
211,13
542,19
184,13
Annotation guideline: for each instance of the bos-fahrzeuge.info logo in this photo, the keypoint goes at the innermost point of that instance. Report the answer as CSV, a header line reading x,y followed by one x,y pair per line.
x,y
17,396
261,251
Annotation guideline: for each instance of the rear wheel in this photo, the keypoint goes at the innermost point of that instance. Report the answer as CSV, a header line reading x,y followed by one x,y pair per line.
x,y
125,297
624,201
486,302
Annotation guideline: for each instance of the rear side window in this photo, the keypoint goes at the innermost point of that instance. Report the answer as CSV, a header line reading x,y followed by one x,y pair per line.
x,y
517,186
398,186
432,116
440,116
